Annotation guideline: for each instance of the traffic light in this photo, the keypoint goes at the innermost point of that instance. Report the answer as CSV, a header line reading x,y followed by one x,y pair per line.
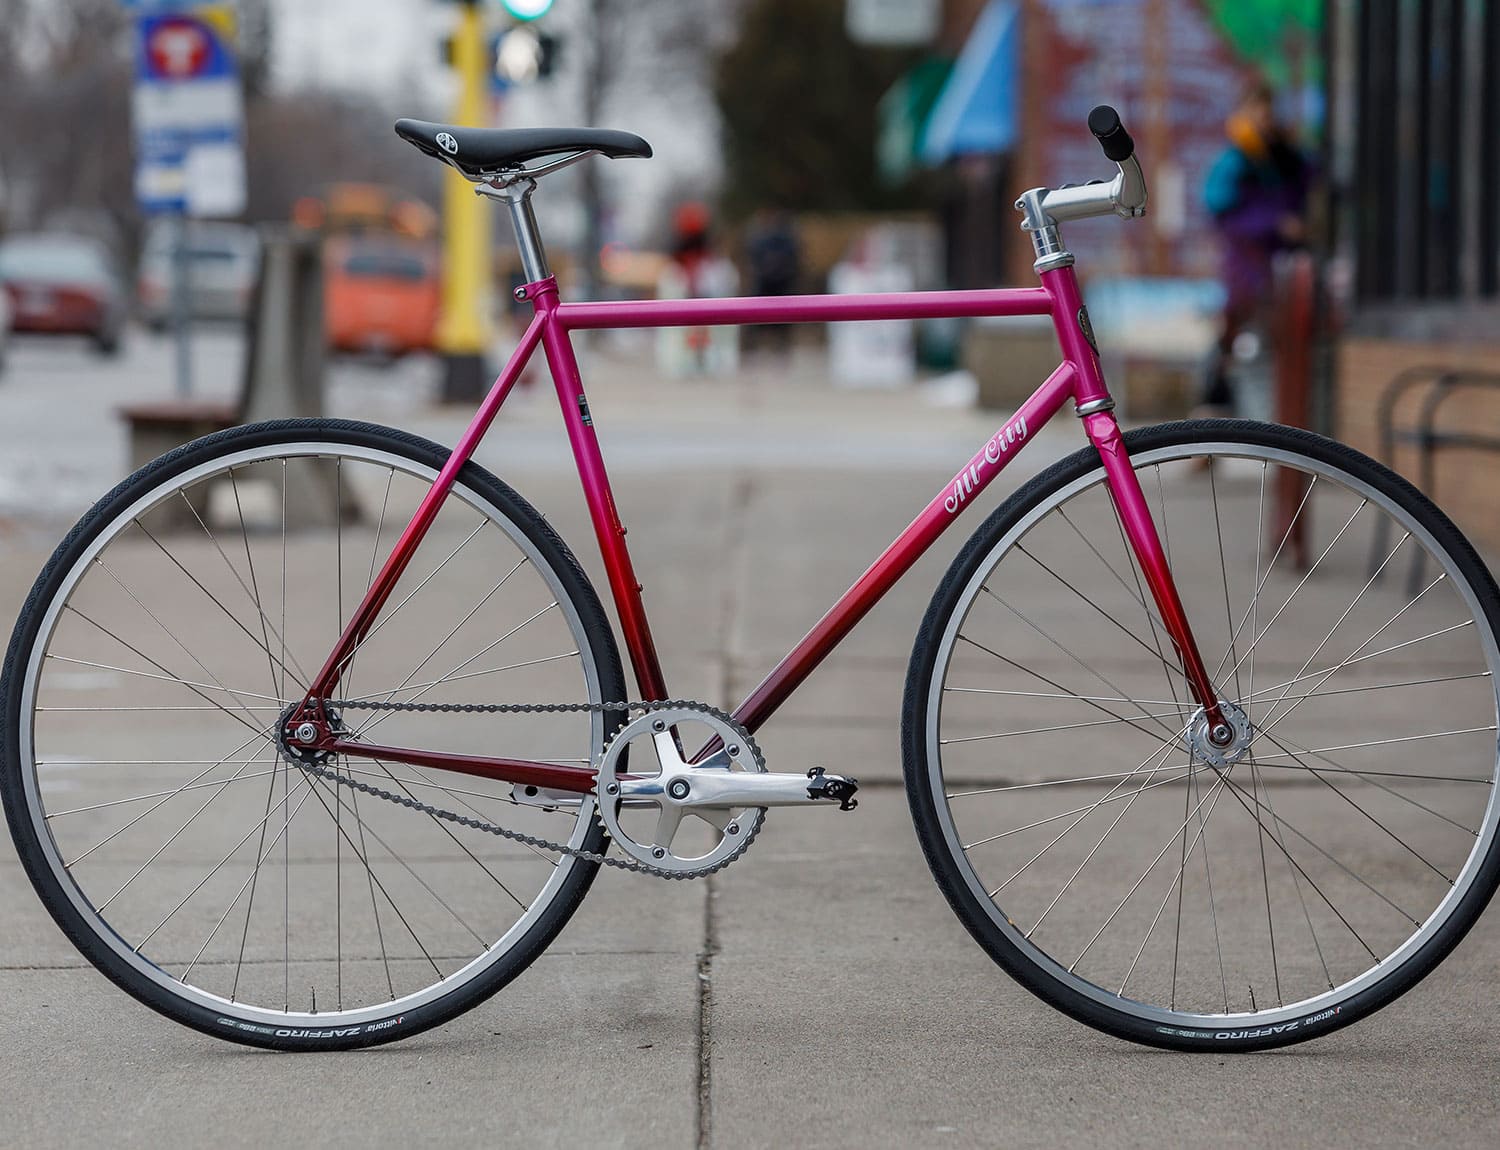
x,y
527,9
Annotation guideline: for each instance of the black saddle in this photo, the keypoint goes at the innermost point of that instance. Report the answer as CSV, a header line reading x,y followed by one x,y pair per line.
x,y
479,151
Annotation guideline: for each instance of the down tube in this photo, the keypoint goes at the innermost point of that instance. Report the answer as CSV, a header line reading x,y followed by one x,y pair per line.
x,y
897,559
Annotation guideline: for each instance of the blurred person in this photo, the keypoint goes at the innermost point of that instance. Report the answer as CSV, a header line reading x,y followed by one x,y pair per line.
x,y
696,271
1256,192
774,257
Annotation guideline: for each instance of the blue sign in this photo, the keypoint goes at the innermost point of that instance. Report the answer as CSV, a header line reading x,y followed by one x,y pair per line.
x,y
187,112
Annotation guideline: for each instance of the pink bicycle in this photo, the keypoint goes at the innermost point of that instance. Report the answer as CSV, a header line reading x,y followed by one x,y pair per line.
x,y
298,780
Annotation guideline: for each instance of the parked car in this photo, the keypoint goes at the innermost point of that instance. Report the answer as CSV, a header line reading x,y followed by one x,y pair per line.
x,y
380,294
222,263
61,284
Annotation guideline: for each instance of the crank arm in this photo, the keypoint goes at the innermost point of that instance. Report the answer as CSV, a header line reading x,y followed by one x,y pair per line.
x,y
710,787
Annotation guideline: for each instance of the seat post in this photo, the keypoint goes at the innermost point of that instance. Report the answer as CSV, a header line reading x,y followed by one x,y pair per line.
x,y
517,196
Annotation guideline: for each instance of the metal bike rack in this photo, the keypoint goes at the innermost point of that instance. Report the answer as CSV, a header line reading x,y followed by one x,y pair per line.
x,y
1441,382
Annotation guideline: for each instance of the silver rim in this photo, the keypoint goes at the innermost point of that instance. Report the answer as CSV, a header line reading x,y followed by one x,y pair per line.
x,y
165,656
1083,821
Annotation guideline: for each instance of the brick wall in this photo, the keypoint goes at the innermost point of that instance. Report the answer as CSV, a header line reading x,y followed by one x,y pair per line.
x,y
1467,483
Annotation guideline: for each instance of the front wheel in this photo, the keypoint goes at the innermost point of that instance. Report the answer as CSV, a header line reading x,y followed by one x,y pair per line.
x,y
1109,856
207,874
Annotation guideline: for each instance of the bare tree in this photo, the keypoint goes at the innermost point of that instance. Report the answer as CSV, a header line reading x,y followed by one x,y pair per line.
x,y
638,45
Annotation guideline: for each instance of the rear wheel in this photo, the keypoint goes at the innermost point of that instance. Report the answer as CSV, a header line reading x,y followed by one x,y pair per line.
x,y
1121,867
195,865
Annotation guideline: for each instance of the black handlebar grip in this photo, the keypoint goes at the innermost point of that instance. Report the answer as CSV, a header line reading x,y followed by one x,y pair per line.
x,y
1104,122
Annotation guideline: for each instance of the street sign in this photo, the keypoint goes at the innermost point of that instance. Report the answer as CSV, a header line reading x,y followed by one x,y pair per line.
x,y
187,112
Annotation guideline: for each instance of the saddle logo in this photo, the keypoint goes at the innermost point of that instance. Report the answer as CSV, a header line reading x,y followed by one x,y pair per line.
x,y
972,477
447,143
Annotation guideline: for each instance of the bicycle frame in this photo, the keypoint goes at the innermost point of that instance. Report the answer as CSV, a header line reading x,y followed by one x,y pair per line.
x,y
1078,377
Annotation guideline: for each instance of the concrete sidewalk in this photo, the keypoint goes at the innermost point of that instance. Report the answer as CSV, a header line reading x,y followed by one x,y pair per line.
x,y
818,993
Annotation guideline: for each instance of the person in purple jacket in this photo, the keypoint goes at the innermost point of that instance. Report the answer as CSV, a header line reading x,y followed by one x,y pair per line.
x,y
1257,193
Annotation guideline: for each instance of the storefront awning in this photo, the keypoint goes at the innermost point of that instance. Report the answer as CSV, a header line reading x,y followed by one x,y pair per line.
x,y
976,112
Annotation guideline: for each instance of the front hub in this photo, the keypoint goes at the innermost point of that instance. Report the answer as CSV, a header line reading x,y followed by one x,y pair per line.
x,y
1223,743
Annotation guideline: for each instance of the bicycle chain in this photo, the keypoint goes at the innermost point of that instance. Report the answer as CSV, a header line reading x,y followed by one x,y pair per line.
x,y
520,836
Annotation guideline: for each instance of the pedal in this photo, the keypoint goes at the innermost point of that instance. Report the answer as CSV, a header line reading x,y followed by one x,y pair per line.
x,y
822,785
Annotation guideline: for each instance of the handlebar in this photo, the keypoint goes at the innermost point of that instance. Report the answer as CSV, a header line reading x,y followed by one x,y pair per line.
x,y
1124,196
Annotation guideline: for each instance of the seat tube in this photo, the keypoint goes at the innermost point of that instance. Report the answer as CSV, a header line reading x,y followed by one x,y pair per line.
x,y
608,529
1095,407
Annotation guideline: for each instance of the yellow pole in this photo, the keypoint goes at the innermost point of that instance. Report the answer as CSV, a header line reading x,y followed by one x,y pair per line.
x,y
463,328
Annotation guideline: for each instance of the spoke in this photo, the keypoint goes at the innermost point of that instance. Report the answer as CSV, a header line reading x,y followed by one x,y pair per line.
x,y
359,853
1065,814
1326,638
444,641
1053,782
1213,489
235,715
1208,874
1046,730
382,716
1175,885
1484,781
1154,652
249,881
1317,694
1317,774
175,834
1327,672
254,586
217,866
1296,881
469,675
265,626
1139,594
219,603
201,774
1260,537
1236,791
348,675
1352,654
318,794
1065,696
1265,882
370,634
1150,867
197,688
153,795
1081,662
442,825
1160,752
1372,743
1311,571
1128,721
1255,598
278,765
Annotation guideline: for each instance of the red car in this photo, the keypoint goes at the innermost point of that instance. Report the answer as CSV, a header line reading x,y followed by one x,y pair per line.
x,y
62,285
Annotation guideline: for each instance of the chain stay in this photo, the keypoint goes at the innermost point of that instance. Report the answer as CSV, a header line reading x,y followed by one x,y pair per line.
x,y
626,864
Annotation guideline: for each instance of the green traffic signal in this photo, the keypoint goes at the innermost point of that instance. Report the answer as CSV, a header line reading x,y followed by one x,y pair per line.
x,y
527,9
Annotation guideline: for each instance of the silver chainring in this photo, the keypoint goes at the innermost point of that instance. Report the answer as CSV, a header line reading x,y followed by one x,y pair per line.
x,y
661,807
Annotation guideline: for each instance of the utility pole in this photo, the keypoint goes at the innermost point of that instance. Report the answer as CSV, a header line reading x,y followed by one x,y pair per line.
x,y
463,329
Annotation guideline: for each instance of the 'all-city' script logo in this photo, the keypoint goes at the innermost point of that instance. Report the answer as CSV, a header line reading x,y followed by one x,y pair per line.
x,y
968,480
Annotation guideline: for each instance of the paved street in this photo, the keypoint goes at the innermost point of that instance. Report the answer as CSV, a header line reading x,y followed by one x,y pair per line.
x,y
818,993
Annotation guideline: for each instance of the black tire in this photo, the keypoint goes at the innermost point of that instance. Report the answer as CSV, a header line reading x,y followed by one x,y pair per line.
x,y
83,930
928,798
